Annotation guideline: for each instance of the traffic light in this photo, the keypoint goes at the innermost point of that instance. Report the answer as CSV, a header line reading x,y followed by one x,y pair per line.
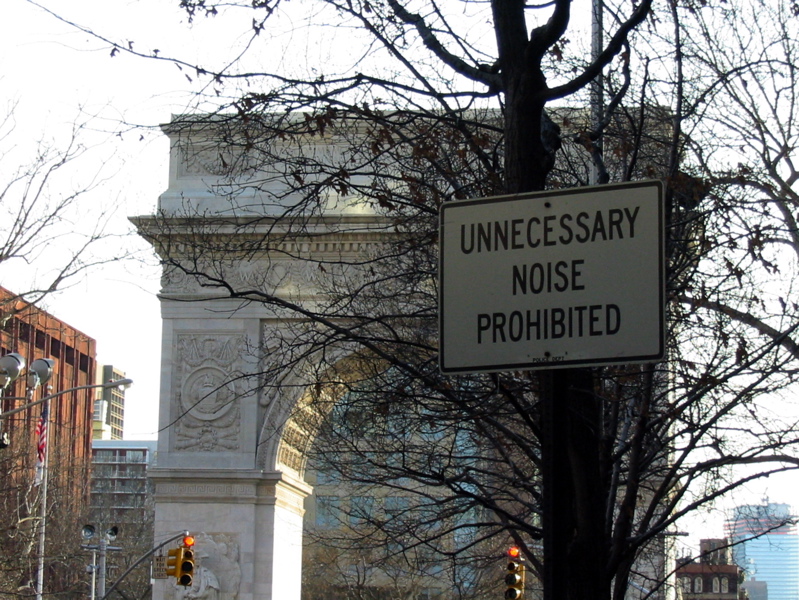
x,y
180,562
185,570
514,580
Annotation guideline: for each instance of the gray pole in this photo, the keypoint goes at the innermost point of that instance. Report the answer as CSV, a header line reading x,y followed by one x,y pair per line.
x,y
597,92
94,572
43,516
142,558
101,567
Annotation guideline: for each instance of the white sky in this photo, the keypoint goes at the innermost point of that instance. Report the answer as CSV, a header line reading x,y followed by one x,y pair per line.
x,y
55,74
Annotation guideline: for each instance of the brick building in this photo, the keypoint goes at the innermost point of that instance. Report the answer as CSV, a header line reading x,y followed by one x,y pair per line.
x,y
713,576
34,333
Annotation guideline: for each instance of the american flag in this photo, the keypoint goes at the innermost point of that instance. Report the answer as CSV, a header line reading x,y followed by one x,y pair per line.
x,y
41,436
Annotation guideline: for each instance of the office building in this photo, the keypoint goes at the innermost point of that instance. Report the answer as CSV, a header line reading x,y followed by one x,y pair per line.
x,y
767,547
122,498
34,333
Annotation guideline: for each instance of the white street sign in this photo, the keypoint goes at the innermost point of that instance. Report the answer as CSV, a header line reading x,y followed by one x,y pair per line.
x,y
553,279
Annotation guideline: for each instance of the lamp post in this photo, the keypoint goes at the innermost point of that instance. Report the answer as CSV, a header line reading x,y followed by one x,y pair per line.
x,y
101,548
39,373
107,385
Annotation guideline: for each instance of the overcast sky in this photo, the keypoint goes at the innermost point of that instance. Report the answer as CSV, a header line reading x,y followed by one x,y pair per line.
x,y
56,76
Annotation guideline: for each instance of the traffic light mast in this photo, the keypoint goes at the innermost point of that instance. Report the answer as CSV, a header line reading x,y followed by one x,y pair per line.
x,y
514,579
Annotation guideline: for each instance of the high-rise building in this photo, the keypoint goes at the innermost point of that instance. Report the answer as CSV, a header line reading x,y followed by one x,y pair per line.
x,y
766,547
122,498
109,407
120,491
64,429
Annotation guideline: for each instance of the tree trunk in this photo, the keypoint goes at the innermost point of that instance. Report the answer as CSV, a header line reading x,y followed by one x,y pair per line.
x,y
575,553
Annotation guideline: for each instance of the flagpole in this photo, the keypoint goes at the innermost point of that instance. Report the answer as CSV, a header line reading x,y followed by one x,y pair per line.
x,y
43,516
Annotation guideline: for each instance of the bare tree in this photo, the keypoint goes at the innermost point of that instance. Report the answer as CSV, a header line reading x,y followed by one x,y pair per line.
x,y
21,514
428,112
47,238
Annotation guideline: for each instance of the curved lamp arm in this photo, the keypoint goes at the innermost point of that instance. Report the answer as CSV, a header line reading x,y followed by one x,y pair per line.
x,y
106,385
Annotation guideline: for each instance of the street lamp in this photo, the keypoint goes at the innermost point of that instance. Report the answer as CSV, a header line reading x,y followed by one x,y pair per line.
x,y
40,372
88,532
10,366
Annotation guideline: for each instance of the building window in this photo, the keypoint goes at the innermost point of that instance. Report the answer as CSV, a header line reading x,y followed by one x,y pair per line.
x,y
686,585
105,456
327,511
716,585
395,506
725,585
41,340
24,332
136,456
361,510
99,410
697,585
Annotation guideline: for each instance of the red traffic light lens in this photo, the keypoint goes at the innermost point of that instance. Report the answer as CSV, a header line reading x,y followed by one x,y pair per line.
x,y
188,541
514,552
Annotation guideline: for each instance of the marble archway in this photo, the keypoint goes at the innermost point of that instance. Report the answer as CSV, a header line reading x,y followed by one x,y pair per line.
x,y
228,467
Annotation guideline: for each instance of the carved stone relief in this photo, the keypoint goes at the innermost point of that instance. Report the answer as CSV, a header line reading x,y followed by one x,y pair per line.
x,y
217,160
272,276
207,394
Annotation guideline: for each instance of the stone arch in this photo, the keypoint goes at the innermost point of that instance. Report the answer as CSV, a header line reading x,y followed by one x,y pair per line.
x,y
293,423
230,459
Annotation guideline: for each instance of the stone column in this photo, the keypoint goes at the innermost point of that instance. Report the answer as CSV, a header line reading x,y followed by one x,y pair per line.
x,y
248,527
247,518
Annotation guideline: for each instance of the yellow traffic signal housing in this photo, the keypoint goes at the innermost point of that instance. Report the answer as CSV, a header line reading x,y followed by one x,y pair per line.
x,y
180,562
185,564
172,560
514,579
185,574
